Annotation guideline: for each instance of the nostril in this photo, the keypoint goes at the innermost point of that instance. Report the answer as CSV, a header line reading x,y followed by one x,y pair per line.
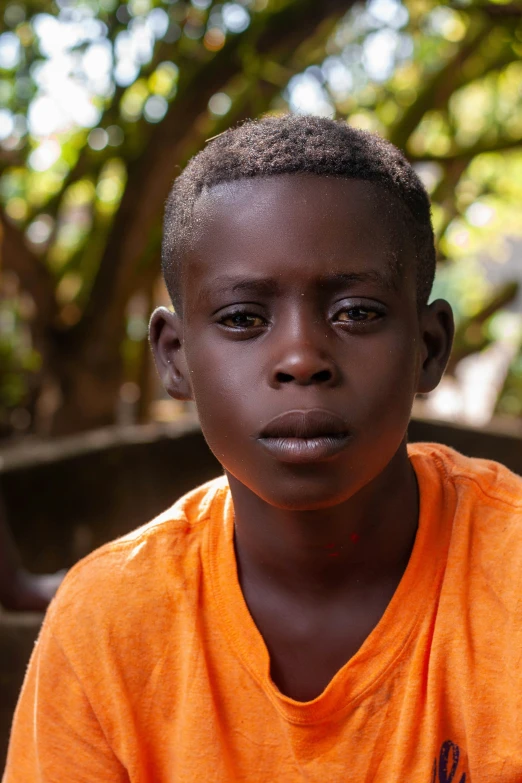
x,y
322,376
283,377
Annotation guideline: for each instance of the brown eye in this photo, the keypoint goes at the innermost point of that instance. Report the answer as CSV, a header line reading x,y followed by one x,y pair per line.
x,y
357,314
242,321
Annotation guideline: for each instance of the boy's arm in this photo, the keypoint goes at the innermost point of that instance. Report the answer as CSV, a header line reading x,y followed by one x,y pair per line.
x,y
56,736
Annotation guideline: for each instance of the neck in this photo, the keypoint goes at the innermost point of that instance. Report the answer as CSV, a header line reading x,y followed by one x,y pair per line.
x,y
367,538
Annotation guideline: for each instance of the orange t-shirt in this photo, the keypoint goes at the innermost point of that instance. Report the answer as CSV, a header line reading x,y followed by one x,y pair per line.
x,y
149,668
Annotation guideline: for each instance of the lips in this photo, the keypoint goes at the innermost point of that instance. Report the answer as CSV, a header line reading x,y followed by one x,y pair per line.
x,y
301,436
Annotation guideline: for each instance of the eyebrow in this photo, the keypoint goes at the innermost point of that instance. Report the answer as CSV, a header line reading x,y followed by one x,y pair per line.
x,y
268,286
386,280
233,284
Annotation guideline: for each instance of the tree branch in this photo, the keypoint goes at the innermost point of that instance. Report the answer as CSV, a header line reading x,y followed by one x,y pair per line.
x,y
466,154
493,10
437,89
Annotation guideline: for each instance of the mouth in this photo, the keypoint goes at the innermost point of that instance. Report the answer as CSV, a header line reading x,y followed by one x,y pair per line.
x,y
302,436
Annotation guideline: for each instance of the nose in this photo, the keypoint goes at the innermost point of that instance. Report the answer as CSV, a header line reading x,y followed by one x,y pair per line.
x,y
305,364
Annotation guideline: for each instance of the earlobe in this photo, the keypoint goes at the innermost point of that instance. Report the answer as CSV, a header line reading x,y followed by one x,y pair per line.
x,y
437,329
165,335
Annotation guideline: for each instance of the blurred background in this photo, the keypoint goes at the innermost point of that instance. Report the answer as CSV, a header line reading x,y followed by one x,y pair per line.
x,y
102,102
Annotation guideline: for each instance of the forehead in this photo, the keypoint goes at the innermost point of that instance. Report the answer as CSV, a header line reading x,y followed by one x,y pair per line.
x,y
296,225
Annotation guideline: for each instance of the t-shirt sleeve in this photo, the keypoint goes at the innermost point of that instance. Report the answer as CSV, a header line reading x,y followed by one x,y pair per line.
x,y
56,736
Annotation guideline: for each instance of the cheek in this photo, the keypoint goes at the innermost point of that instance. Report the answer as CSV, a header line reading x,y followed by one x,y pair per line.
x,y
384,377
402,369
224,383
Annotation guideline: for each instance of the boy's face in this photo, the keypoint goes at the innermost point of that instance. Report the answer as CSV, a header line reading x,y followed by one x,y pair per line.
x,y
301,340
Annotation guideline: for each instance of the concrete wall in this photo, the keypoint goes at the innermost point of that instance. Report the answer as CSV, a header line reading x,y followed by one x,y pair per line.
x,y
68,497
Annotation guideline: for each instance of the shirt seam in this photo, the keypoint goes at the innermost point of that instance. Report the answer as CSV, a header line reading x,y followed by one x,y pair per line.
x,y
455,475
494,497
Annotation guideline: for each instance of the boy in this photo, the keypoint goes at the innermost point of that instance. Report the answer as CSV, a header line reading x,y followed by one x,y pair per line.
x,y
336,607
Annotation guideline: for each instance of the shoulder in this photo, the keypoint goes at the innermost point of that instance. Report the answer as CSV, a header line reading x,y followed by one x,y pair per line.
x,y
142,572
479,611
483,481
481,502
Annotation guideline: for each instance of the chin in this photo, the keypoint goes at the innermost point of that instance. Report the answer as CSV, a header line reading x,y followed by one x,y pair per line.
x,y
310,487
304,496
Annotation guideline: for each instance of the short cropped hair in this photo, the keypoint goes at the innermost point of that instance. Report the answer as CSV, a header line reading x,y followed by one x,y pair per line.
x,y
294,144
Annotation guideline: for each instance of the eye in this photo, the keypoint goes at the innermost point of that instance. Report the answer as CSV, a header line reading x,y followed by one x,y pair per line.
x,y
357,314
241,320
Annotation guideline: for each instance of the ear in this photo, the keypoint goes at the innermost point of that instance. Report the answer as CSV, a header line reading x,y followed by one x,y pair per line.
x,y
165,335
437,329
